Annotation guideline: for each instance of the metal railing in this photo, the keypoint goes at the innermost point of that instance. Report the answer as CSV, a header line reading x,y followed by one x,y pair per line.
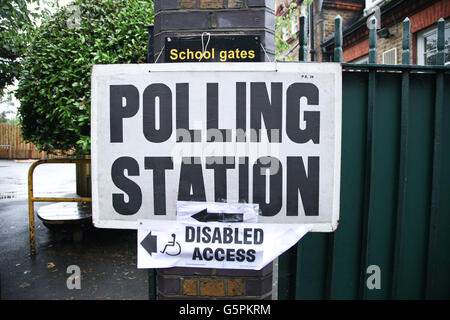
x,y
32,199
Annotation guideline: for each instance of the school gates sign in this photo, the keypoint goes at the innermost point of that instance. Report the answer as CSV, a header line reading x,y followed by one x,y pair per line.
x,y
260,133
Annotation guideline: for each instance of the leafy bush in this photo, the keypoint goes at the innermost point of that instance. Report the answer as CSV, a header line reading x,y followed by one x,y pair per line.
x,y
54,87
15,21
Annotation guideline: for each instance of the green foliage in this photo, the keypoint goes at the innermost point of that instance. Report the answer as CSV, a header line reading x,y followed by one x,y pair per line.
x,y
15,22
54,89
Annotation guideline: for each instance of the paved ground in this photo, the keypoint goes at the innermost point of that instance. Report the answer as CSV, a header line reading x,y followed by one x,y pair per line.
x,y
106,258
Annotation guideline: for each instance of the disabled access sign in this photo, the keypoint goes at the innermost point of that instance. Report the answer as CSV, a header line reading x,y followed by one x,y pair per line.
x,y
214,235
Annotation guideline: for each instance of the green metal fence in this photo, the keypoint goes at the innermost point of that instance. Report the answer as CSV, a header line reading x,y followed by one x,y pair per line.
x,y
395,186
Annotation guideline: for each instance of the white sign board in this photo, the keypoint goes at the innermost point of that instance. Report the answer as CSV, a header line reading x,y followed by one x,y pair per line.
x,y
263,133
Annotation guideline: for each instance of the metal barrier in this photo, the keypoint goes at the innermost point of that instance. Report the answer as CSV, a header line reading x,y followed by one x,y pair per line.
x,y
32,199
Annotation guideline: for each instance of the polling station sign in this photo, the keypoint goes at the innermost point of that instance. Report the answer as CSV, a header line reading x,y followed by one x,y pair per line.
x,y
262,133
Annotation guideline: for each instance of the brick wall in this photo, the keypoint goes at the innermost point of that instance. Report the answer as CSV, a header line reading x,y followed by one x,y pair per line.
x,y
358,50
383,44
419,21
324,25
430,16
196,283
394,41
422,18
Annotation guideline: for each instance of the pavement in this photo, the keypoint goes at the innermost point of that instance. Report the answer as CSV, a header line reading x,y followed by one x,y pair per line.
x,y
106,258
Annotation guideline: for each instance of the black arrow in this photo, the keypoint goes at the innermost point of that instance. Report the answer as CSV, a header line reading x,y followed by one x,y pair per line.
x,y
149,243
205,216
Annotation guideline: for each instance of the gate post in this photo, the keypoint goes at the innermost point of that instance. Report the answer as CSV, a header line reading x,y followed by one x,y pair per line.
x,y
175,18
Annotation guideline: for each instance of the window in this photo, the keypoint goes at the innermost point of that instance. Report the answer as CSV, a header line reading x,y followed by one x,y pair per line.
x,y
427,45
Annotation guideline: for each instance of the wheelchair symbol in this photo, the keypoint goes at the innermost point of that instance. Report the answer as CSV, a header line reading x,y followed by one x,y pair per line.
x,y
173,244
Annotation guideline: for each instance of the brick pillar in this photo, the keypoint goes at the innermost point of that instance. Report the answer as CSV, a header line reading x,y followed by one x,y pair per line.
x,y
174,18
219,17
197,283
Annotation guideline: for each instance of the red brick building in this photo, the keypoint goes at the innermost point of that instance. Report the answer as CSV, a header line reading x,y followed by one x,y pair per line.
x,y
423,14
355,14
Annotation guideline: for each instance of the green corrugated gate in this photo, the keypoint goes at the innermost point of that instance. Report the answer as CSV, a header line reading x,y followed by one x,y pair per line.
x,y
395,192
387,213
395,185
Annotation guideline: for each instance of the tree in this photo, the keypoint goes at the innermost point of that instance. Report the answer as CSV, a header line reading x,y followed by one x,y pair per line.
x,y
54,89
15,21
